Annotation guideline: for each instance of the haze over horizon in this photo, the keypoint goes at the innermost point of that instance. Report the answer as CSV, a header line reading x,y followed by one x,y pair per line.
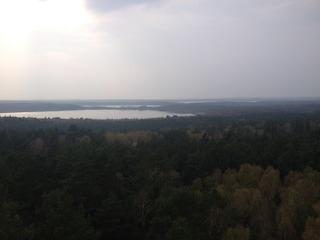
x,y
161,49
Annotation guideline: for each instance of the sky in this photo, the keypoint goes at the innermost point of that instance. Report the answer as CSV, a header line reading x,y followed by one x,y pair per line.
x,y
160,49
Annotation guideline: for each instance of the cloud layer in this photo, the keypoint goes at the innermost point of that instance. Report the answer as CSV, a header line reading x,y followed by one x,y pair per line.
x,y
163,49
104,6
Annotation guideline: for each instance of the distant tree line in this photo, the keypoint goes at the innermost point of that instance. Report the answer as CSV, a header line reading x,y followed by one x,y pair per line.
x,y
245,177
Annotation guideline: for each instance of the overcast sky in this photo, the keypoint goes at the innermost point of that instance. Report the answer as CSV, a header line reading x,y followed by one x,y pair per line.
x,y
139,49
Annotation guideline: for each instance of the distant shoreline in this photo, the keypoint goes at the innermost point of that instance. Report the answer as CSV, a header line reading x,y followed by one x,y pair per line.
x,y
191,106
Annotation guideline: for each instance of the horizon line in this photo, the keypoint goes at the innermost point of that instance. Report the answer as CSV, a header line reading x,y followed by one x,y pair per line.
x,y
163,99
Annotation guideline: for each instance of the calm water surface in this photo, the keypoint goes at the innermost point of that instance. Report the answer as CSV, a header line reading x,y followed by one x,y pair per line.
x,y
96,114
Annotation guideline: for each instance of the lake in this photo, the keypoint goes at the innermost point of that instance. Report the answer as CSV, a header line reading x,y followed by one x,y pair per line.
x,y
96,114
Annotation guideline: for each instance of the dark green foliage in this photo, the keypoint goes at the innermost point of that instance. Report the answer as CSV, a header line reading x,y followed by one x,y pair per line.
x,y
11,224
251,176
60,220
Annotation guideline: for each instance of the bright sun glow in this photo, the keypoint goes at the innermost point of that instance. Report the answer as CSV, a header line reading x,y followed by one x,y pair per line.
x,y
21,23
20,18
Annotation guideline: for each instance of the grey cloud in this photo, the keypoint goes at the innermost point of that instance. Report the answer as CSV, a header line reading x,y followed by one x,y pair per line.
x,y
102,6
172,49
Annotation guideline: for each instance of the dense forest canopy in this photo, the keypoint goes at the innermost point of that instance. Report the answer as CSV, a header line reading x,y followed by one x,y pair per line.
x,y
253,176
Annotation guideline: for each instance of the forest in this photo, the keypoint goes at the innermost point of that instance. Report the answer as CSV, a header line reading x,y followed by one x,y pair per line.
x,y
244,177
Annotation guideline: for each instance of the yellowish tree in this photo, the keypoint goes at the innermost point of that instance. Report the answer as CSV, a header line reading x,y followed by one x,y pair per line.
x,y
237,233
